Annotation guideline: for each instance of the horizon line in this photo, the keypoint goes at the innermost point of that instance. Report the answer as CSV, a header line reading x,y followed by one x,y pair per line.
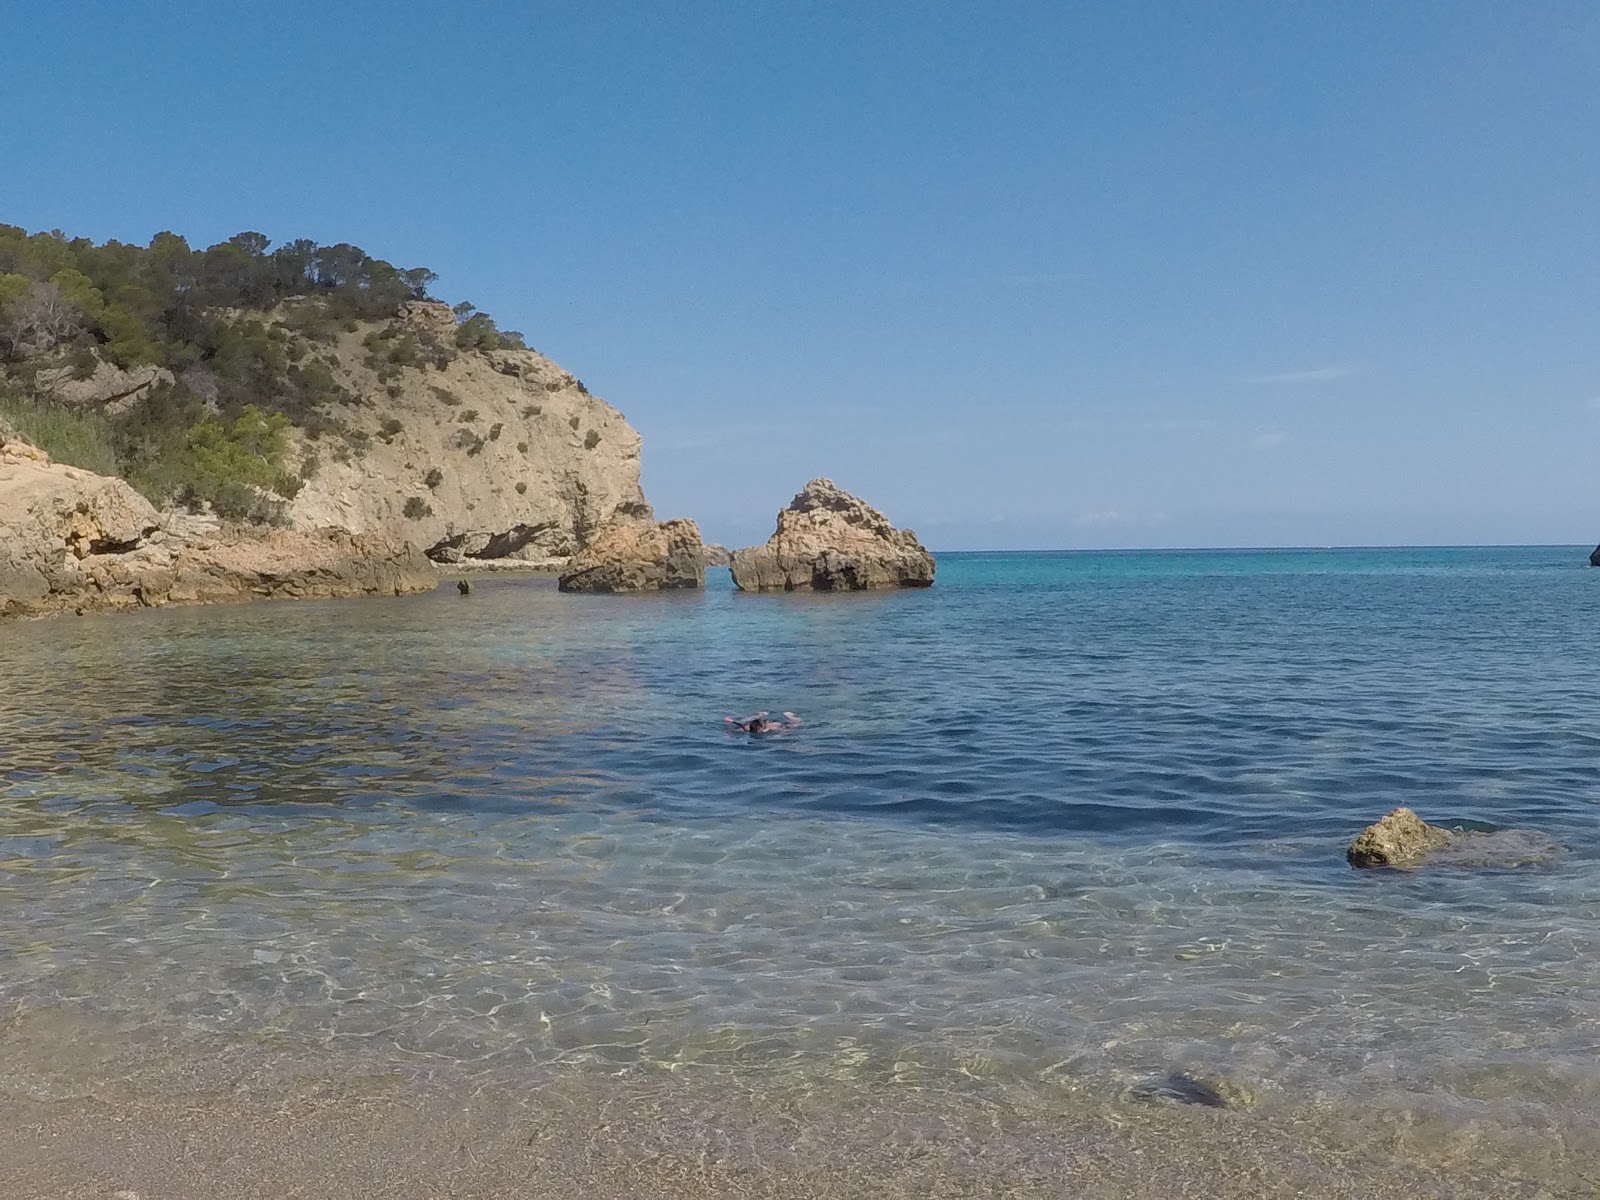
x,y
1238,548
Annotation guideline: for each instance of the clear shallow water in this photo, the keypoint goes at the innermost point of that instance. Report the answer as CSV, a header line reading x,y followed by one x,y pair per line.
x,y
1061,823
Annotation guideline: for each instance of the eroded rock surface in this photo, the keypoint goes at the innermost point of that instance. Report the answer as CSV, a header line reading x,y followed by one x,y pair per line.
x,y
639,556
1403,839
828,540
1400,839
496,454
74,541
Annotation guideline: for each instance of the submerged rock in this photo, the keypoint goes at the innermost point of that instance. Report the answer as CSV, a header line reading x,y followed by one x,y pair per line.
x,y
1403,839
639,556
827,541
1182,1087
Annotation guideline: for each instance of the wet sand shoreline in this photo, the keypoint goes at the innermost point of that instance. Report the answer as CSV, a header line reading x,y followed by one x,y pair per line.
x,y
89,1112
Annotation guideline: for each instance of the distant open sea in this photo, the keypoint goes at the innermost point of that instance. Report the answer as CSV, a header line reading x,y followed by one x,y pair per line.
x,y
1059,825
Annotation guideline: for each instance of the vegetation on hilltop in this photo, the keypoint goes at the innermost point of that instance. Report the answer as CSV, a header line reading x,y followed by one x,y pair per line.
x,y
237,325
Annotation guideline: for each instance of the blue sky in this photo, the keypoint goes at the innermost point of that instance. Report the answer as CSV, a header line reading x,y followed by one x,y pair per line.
x,y
1022,275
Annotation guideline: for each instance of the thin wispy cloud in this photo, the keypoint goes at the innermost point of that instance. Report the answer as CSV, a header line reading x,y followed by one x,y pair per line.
x,y
1311,375
1111,518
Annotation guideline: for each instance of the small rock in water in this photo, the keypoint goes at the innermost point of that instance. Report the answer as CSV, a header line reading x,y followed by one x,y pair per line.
x,y
1403,839
1398,840
1181,1087
463,587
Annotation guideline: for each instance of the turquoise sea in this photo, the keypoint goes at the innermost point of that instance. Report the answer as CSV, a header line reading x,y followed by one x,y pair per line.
x,y
1061,824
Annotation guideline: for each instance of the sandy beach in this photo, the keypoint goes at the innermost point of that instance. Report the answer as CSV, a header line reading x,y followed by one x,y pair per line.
x,y
87,1111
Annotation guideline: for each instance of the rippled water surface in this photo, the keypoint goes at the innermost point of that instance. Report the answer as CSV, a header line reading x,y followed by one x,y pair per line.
x,y
1061,822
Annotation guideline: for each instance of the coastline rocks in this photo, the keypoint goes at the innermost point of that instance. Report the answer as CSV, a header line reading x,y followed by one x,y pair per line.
x,y
287,564
1403,839
54,518
1594,557
716,556
74,541
638,556
828,540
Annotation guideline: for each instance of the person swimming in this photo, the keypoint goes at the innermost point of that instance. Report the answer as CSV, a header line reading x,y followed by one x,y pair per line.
x,y
761,723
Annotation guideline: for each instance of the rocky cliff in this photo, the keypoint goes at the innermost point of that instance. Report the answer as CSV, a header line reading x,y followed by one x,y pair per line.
x,y
493,454
71,540
467,452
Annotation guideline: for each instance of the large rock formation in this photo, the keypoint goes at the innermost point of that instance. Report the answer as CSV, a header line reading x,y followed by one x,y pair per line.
x,y
469,453
499,453
828,540
639,556
1594,557
71,540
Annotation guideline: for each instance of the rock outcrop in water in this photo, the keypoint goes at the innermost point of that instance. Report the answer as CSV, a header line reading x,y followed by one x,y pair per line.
x,y
827,541
1400,839
639,556
1594,557
74,541
1403,839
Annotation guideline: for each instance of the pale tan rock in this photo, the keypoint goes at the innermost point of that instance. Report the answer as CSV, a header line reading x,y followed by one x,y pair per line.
x,y
110,388
71,540
502,454
54,517
828,540
717,556
294,564
1400,839
638,556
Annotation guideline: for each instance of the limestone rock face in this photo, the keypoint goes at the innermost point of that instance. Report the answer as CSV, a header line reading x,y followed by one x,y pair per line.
x,y
500,454
1400,839
54,518
110,387
639,556
827,540
717,556
290,564
71,540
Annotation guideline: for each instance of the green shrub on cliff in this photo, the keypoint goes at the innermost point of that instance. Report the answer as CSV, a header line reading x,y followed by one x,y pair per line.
x,y
77,439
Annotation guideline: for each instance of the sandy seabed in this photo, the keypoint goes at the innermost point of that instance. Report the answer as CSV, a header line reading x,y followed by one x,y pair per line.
x,y
88,1110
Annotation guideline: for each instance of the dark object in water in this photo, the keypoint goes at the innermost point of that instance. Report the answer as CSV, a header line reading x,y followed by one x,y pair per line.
x,y
1182,1088
1594,557
463,587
